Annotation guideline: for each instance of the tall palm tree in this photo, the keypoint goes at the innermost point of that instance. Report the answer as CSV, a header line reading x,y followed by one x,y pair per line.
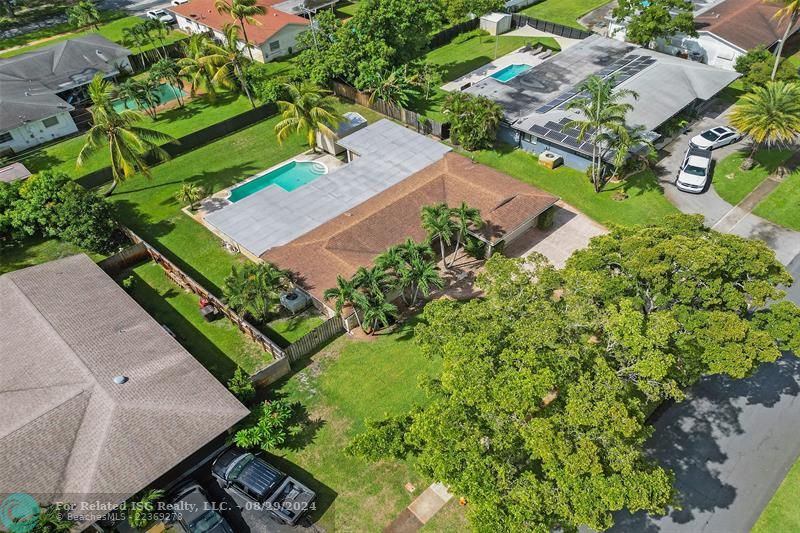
x,y
789,13
424,277
157,31
345,294
437,221
243,11
200,62
375,280
308,110
602,117
628,139
133,36
84,14
411,249
377,311
231,63
190,193
769,115
128,144
169,71
466,217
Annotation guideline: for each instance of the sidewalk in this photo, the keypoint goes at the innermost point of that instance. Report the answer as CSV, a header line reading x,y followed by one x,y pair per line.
x,y
420,510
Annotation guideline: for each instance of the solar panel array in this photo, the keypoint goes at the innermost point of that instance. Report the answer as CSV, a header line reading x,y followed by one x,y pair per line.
x,y
558,133
623,69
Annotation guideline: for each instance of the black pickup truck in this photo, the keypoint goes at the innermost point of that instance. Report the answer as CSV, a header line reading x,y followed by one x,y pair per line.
x,y
285,498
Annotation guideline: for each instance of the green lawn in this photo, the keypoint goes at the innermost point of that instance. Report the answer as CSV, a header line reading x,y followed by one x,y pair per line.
x,y
178,121
343,384
781,514
36,251
293,328
218,345
566,12
733,184
645,203
783,205
345,10
111,30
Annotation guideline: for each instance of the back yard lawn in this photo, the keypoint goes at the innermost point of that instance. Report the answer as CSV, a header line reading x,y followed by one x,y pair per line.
x,y
733,184
645,203
566,12
342,385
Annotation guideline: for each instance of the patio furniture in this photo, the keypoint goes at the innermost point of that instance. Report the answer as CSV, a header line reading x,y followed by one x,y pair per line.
x,y
546,54
535,51
465,86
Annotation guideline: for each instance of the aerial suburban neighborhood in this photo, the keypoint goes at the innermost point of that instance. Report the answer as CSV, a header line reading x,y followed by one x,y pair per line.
x,y
399,266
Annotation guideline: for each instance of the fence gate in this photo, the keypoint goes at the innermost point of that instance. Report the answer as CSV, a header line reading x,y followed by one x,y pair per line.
x,y
315,338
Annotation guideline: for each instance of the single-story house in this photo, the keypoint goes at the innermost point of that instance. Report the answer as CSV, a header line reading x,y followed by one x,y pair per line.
x,y
535,101
726,29
97,400
354,238
274,36
41,88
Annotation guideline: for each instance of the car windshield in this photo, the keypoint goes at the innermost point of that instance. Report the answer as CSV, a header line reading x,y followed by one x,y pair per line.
x,y
239,466
710,135
694,171
207,522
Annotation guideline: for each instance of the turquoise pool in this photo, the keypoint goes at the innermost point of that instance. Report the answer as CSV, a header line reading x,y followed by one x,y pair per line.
x,y
288,177
165,92
510,72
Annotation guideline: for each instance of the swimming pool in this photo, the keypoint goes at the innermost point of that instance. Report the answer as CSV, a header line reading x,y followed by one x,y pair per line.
x,y
510,72
165,92
288,177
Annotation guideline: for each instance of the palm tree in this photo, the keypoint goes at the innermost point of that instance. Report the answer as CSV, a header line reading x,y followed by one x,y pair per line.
x,y
424,277
242,11
345,294
141,510
790,13
128,144
157,31
199,64
411,249
373,280
132,36
308,111
437,222
255,288
190,193
465,218
377,311
84,14
399,87
130,90
769,115
51,520
603,117
231,63
168,70
629,139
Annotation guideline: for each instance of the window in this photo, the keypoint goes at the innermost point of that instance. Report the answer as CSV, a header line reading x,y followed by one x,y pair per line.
x,y
50,122
5,137
274,46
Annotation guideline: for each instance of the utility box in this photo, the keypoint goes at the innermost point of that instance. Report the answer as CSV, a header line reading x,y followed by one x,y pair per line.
x,y
550,160
496,23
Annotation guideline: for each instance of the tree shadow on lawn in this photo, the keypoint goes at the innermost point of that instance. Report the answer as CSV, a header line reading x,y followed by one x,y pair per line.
x,y
325,494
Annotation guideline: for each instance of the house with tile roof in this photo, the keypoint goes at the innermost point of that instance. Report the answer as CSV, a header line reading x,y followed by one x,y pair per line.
x,y
274,34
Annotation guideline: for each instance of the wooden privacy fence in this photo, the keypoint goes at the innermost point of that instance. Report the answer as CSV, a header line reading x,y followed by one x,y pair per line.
x,y
446,35
419,122
187,282
518,21
333,327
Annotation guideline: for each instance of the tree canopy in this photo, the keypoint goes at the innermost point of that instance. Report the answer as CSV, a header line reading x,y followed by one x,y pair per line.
x,y
647,21
538,417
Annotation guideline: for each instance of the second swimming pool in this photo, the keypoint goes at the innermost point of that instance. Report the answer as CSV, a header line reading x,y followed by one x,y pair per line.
x,y
510,72
288,177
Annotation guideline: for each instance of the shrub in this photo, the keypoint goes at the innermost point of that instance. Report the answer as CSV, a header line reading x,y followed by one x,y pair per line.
x,y
475,247
267,87
268,426
383,439
473,120
241,386
9,193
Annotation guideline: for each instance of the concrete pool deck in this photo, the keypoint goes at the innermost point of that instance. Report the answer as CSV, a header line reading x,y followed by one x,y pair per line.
x,y
518,57
387,154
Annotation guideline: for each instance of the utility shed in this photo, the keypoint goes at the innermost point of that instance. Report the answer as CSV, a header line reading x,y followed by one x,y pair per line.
x,y
352,122
496,23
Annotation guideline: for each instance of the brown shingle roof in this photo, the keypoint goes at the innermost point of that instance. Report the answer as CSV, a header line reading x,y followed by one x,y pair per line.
x,y
353,239
745,23
67,431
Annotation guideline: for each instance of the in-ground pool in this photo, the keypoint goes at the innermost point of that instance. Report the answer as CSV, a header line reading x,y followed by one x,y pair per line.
x,y
510,72
288,177
165,93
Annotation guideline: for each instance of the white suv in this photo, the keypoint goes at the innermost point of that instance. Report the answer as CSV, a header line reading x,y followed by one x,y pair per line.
x,y
161,14
695,171
716,138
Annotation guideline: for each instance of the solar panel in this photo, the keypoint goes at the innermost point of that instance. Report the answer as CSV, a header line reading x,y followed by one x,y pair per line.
x,y
545,108
572,132
554,135
574,143
553,126
538,130
587,147
564,121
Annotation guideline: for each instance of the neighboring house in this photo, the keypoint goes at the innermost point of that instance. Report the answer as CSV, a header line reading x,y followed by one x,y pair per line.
x,y
274,36
535,101
14,172
39,89
726,30
353,239
97,400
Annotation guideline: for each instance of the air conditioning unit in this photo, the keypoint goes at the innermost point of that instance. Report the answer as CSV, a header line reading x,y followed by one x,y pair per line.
x,y
550,160
295,301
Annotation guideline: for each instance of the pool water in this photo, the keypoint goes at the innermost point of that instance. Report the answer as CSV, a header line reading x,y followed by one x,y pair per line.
x,y
510,72
165,92
288,177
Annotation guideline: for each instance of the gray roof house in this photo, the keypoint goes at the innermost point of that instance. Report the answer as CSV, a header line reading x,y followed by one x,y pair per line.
x,y
40,87
535,102
96,399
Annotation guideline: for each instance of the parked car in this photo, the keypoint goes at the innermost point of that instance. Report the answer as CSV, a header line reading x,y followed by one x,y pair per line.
x,y
178,2
194,513
714,138
161,14
695,170
285,498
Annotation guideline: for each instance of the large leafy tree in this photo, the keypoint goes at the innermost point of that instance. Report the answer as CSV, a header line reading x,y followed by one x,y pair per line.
x,y
308,110
244,12
538,416
769,115
473,120
647,21
788,14
456,10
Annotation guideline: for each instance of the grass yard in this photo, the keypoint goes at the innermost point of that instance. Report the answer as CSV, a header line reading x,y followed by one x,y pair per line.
x,y
343,384
734,184
111,30
345,10
36,251
218,345
782,206
781,514
645,203
291,329
565,12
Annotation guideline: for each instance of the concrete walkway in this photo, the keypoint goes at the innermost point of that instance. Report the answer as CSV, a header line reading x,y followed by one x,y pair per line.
x,y
743,208
421,510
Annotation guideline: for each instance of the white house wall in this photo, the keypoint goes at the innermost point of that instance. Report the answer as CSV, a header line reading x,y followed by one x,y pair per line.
x,y
36,133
